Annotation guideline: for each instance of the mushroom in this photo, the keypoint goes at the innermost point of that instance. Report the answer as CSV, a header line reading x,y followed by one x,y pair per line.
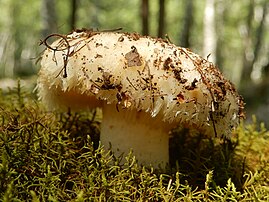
x,y
145,87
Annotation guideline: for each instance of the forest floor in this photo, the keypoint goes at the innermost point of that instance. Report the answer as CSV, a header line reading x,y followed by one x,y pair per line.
x,y
50,156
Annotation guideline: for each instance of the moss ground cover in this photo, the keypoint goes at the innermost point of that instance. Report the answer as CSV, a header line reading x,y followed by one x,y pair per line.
x,y
50,156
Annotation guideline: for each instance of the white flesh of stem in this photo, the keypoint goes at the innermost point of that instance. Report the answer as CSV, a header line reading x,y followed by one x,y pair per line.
x,y
127,130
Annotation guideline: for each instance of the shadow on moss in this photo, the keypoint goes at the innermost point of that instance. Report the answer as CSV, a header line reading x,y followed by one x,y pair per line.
x,y
194,156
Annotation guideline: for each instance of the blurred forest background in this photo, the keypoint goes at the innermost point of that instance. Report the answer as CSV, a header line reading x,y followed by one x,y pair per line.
x,y
233,34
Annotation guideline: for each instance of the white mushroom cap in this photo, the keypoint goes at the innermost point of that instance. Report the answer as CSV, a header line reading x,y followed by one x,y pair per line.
x,y
131,73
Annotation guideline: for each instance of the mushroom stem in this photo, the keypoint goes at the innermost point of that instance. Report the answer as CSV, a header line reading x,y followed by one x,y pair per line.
x,y
125,130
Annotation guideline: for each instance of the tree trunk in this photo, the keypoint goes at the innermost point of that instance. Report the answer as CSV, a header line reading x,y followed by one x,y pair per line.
x,y
73,18
16,37
49,17
145,17
187,24
95,10
248,45
253,42
161,28
260,33
7,44
209,47
221,16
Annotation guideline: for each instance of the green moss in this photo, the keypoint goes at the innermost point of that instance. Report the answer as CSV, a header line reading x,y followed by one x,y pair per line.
x,y
46,156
